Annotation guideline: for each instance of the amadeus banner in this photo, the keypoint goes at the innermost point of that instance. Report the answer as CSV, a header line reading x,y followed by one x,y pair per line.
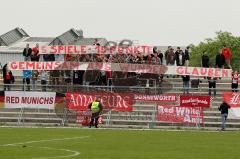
x,y
121,67
195,101
114,101
33,100
192,115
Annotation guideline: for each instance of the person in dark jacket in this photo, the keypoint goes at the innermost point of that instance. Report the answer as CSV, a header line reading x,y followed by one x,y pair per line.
x,y
8,78
224,113
187,55
180,58
205,60
27,52
96,108
186,80
212,85
220,60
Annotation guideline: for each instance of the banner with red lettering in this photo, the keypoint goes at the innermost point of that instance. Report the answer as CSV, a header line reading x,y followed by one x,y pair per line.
x,y
121,67
91,49
192,115
34,100
114,101
195,101
156,98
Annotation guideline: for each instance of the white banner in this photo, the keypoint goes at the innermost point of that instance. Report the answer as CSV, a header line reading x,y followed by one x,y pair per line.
x,y
234,113
32,100
122,67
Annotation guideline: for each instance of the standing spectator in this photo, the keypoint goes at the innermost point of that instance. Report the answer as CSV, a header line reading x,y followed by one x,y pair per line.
x,y
35,53
27,52
27,74
44,80
186,79
224,114
212,85
167,52
205,60
235,77
156,60
227,54
220,60
160,55
180,58
34,79
155,50
187,56
170,57
8,78
177,51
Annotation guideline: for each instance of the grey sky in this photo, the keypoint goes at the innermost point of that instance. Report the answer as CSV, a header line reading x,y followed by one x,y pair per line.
x,y
152,22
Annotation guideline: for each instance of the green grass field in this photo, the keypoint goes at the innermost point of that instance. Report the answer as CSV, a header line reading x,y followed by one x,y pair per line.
x,y
44,143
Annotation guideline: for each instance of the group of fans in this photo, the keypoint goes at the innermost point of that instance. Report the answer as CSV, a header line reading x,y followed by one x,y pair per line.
x,y
170,57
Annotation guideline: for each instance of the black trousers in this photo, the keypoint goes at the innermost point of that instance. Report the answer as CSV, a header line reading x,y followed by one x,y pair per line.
x,y
26,80
212,86
94,119
234,87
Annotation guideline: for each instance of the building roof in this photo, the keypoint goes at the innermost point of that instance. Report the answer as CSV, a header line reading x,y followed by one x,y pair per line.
x,y
68,37
12,36
15,40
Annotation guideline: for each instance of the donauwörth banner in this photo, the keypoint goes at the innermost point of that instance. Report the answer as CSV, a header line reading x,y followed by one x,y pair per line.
x,y
122,67
177,114
195,101
233,99
114,101
156,98
35,100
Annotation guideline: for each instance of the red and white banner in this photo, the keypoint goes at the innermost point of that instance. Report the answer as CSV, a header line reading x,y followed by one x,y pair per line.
x,y
199,71
233,99
91,49
156,98
115,101
121,67
34,100
193,115
195,101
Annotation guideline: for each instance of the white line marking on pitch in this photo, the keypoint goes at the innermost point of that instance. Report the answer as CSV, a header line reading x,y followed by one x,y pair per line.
x,y
30,142
74,153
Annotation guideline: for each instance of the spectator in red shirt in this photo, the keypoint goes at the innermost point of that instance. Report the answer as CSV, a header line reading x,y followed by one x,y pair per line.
x,y
227,54
35,53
